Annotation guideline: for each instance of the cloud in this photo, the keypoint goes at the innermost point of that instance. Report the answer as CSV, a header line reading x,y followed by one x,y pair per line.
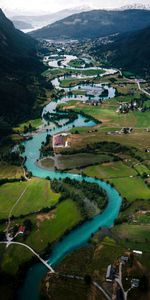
x,y
56,5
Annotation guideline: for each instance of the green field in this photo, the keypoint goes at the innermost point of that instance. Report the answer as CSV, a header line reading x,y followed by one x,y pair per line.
x,y
71,82
34,123
108,115
77,160
131,188
37,196
76,63
49,230
64,217
141,169
134,236
110,170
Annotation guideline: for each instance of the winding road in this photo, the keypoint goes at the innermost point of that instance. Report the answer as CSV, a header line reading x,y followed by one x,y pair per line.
x,y
30,249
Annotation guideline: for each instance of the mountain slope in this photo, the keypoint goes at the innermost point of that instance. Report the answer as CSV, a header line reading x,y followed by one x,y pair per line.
x,y
16,48
21,25
40,21
96,23
128,51
19,70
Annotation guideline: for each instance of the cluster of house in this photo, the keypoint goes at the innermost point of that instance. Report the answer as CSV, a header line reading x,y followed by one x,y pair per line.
x,y
126,107
61,140
94,102
124,130
113,275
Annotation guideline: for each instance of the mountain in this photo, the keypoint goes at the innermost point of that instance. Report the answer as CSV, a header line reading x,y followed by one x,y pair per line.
x,y
22,25
96,23
19,69
43,20
129,51
16,48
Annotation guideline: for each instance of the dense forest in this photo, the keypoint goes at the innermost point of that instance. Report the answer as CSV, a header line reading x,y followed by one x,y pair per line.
x,y
20,77
129,51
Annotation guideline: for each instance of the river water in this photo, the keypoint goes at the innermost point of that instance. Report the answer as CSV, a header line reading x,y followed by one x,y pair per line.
x,y
80,235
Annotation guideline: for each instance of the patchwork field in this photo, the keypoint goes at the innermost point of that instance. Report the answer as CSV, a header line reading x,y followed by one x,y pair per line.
x,y
128,186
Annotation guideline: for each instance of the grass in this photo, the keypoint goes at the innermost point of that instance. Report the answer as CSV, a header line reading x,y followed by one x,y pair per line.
x,y
71,82
134,236
91,72
76,63
138,138
37,196
144,219
10,171
64,217
35,124
132,188
108,115
78,160
141,169
125,186
13,257
109,170
69,289
92,260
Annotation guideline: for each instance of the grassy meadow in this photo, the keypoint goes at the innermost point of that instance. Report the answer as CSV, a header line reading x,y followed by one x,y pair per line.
x,y
37,196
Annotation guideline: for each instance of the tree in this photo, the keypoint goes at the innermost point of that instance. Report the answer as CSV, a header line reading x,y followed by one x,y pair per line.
x,y
144,283
2,236
88,279
28,224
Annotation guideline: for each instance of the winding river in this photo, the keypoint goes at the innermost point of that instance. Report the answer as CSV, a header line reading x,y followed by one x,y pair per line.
x,y
80,235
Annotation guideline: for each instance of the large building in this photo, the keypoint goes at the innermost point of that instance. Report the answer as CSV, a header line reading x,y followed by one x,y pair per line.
x,y
60,140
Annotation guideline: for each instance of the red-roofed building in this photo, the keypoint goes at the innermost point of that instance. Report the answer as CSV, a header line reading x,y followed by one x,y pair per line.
x,y
22,229
58,140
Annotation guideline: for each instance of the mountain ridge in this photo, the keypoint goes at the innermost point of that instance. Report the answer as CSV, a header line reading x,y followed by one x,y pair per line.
x,y
129,51
19,71
94,24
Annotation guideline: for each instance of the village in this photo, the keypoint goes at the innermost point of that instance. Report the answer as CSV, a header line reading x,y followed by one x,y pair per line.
x,y
125,274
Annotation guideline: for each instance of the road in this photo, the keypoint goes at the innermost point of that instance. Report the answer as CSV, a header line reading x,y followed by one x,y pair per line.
x,y
139,87
29,248
10,214
119,281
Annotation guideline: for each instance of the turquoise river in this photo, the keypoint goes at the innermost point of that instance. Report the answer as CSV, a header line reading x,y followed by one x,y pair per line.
x,y
79,236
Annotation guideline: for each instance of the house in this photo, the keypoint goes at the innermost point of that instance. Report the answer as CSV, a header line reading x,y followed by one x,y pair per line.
x,y
110,274
58,141
137,252
126,130
135,283
61,140
124,259
21,229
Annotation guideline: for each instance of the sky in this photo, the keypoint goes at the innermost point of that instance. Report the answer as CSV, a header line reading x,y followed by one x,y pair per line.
x,y
46,6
